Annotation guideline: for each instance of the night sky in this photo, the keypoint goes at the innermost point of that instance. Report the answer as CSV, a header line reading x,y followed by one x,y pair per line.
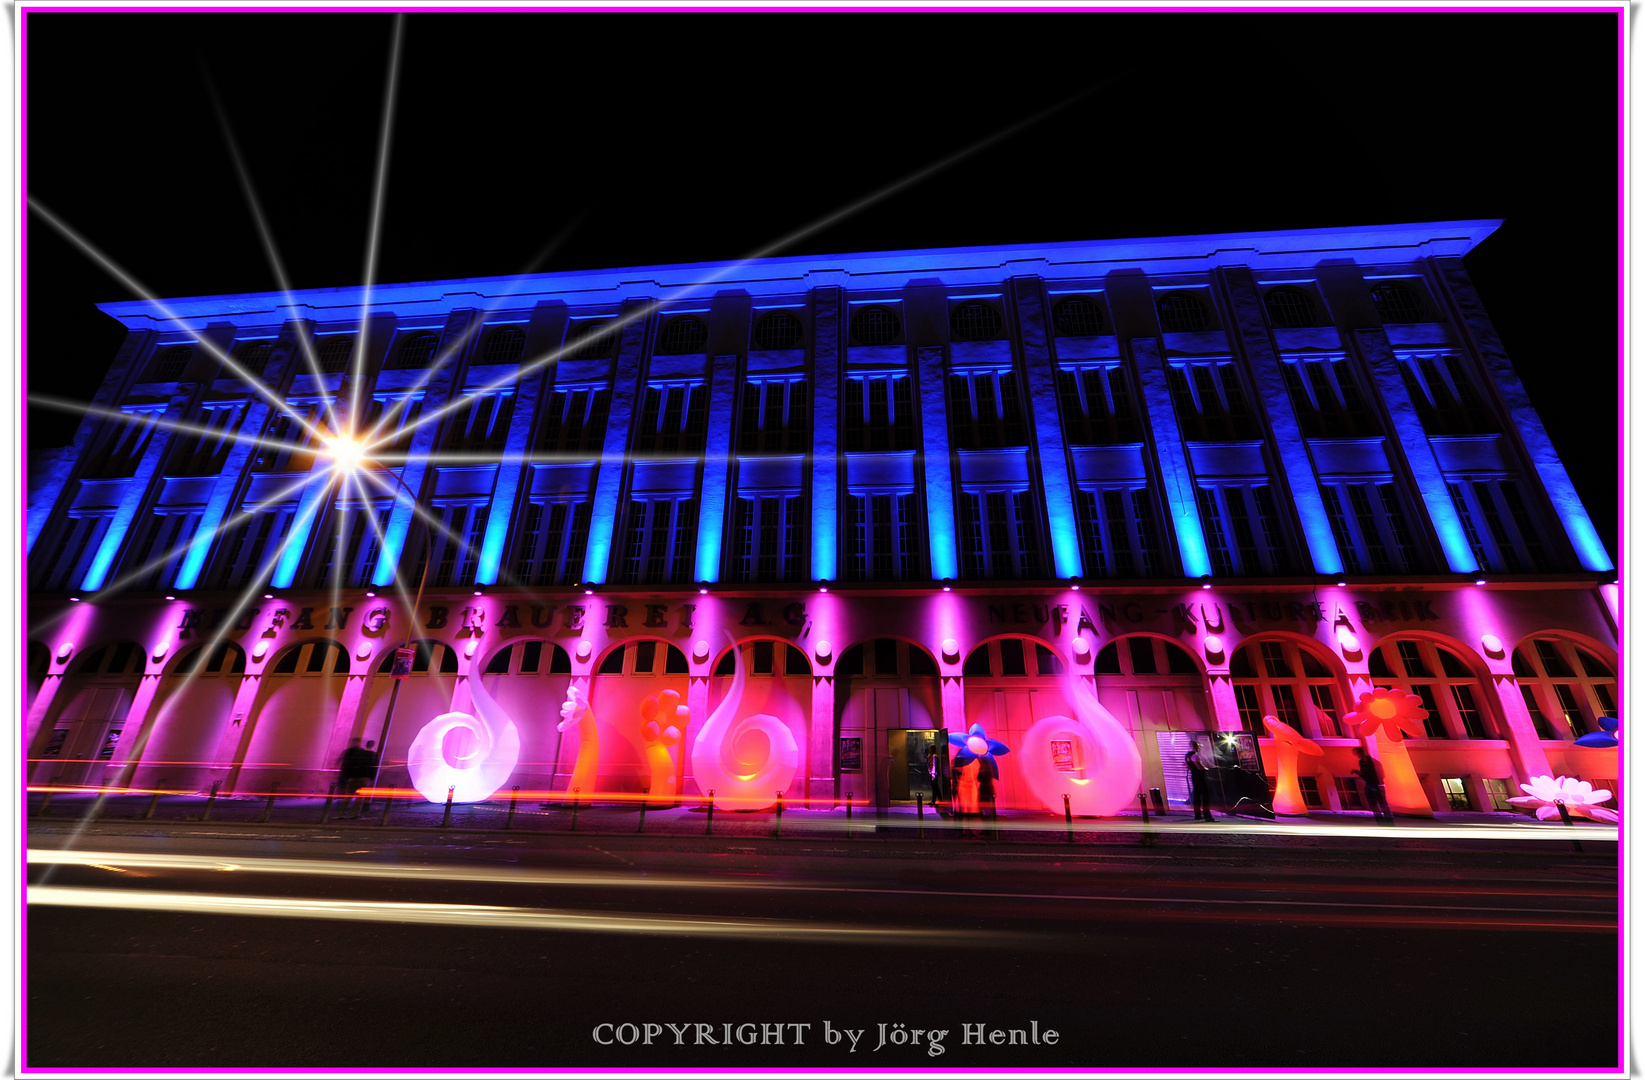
x,y
562,142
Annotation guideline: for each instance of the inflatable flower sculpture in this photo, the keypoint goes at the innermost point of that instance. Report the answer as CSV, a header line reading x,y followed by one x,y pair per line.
x,y
1603,738
1545,793
1397,713
1288,743
976,753
662,718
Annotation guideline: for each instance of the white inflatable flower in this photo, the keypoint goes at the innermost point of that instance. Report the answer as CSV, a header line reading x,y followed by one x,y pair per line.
x,y
1580,799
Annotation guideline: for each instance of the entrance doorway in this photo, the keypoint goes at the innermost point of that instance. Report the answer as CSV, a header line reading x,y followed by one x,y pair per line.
x,y
919,764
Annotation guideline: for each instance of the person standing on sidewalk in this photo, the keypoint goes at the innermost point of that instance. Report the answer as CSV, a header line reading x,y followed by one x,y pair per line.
x,y
1200,786
1374,797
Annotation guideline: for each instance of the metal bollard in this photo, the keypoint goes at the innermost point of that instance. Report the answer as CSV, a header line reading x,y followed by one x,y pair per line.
x,y
508,823
848,815
709,831
644,798
1068,818
1565,816
1142,801
574,793
154,801
206,814
919,811
268,807
325,811
1147,838
777,830
451,793
388,801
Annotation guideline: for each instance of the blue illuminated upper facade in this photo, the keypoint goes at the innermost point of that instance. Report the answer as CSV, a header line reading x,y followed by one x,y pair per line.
x,y
1281,405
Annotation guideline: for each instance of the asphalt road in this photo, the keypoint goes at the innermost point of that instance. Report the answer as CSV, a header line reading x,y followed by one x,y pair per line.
x,y
230,948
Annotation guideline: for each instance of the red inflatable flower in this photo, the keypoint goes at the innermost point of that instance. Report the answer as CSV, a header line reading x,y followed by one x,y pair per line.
x,y
1393,710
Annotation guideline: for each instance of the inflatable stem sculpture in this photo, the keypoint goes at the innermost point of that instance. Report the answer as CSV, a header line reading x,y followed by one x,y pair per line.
x,y
474,755
665,719
1288,743
1397,714
745,762
579,714
1094,760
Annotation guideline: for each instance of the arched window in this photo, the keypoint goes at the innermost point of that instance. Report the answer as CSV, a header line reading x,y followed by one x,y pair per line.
x,y
778,330
590,339
172,363
504,346
1566,687
644,658
315,658
431,656
1288,308
975,320
1397,303
1143,655
1012,658
1288,682
226,658
1182,313
1077,316
885,658
685,334
1446,684
334,354
763,658
123,658
417,350
526,658
875,325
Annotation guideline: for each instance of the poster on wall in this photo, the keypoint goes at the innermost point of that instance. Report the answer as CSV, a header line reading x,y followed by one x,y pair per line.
x,y
850,755
107,751
404,657
1062,755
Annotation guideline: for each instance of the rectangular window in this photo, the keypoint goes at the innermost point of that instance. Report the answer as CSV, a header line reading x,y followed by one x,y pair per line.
x,y
395,419
999,535
1327,400
1500,530
1434,723
456,544
879,537
1120,532
774,417
1544,730
985,410
1571,710
1456,794
1210,402
248,550
203,452
1242,530
1348,793
766,535
673,418
1310,790
287,439
1445,396
480,425
552,541
1250,709
67,560
349,550
1472,722
573,421
878,413
152,562
1325,707
127,443
1369,526
1097,407
661,545
1499,792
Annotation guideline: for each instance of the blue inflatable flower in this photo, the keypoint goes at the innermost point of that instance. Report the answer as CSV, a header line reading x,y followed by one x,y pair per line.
x,y
976,744
1604,737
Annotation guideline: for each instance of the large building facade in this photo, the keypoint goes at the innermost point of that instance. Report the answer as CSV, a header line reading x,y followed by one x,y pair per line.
x,y
1209,478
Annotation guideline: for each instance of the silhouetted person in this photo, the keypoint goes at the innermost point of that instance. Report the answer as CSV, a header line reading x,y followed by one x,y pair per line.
x,y
356,769
986,776
1199,781
1374,797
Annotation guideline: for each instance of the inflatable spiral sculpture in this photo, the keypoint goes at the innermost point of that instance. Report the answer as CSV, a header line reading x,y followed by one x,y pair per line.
x,y
474,754
746,761
1102,769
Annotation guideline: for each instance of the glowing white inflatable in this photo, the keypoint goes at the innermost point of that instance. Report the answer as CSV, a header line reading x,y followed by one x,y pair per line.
x,y
476,754
746,761
1096,763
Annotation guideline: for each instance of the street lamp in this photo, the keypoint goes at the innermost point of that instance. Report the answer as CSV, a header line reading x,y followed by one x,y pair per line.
x,y
348,456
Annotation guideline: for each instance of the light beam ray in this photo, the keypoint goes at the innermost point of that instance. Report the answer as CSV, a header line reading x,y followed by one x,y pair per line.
x,y
375,229
92,252
264,233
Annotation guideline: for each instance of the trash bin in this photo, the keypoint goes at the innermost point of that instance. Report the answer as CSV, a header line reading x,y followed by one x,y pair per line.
x,y
1158,800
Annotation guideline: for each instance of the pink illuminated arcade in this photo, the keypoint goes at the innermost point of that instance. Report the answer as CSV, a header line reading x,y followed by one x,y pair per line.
x,y
785,526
